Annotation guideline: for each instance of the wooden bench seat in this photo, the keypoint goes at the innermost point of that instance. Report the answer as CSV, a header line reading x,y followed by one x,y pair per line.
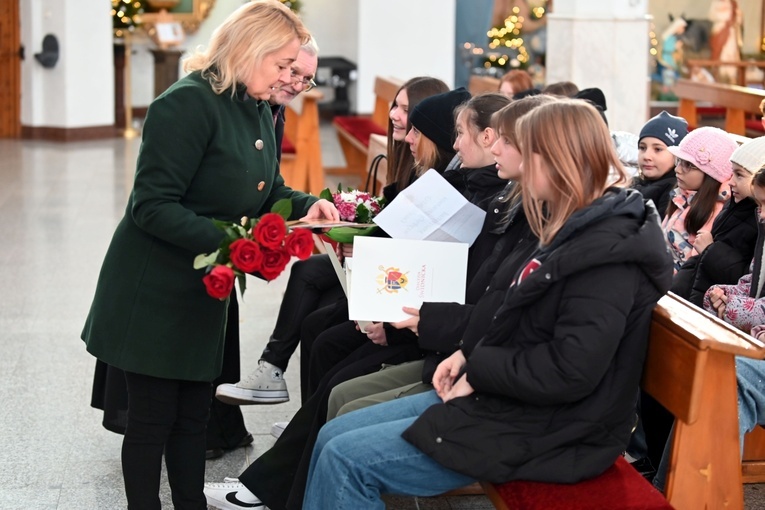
x,y
690,370
353,131
738,102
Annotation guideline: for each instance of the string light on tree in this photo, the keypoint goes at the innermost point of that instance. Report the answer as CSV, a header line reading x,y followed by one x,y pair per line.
x,y
126,15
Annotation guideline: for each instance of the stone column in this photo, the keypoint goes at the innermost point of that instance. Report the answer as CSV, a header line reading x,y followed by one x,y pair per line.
x,y
604,44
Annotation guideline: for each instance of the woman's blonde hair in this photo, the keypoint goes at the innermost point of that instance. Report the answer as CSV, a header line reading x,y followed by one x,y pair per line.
x,y
576,147
243,40
427,156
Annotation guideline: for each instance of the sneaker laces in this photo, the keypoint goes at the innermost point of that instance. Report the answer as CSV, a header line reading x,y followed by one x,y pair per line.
x,y
253,376
228,483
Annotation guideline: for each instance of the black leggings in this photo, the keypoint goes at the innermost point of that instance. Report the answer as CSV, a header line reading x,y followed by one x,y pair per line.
x,y
165,415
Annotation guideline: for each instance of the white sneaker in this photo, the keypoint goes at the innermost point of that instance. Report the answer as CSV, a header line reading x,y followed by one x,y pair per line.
x,y
278,427
263,386
231,495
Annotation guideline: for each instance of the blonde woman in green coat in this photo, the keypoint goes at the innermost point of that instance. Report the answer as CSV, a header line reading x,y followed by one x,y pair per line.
x,y
208,151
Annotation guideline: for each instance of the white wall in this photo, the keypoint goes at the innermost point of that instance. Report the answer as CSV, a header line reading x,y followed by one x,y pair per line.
x,y
383,37
403,39
79,90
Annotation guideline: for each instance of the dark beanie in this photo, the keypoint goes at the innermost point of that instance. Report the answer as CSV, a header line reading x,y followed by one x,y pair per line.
x,y
595,97
667,128
434,116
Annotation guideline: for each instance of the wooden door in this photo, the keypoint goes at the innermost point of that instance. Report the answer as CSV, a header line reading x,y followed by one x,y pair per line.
x,y
10,70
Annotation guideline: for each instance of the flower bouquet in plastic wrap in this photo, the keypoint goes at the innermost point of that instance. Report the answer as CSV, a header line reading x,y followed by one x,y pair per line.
x,y
261,246
357,207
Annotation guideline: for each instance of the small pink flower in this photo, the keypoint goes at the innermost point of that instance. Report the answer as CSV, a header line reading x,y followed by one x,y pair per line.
x,y
702,156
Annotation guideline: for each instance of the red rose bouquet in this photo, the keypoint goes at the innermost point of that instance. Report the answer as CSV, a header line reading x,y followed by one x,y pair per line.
x,y
263,245
355,206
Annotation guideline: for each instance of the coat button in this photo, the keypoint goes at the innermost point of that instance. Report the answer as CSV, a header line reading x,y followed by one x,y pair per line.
x,y
488,287
459,343
439,440
548,276
261,185
496,211
258,144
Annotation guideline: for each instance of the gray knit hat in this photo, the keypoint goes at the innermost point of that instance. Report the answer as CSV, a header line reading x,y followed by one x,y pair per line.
x,y
751,155
667,128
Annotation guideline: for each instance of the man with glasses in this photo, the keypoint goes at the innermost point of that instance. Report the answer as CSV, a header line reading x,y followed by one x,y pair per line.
x,y
225,428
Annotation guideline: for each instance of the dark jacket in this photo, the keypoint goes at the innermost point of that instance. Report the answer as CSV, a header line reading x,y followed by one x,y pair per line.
x,y
444,327
478,185
657,190
725,260
557,373
203,156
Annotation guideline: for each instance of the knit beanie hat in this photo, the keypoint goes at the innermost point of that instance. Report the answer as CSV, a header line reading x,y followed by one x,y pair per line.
x,y
596,98
434,116
667,128
709,148
751,155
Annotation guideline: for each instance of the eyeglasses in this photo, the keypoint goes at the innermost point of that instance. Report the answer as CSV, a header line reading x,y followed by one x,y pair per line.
x,y
305,81
685,166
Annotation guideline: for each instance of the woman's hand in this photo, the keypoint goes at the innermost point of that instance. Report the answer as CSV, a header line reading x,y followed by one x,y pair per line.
x,y
461,388
376,333
322,209
447,372
703,240
718,300
410,323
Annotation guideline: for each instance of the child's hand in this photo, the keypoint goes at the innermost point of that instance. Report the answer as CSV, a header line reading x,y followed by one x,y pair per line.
x,y
718,300
703,240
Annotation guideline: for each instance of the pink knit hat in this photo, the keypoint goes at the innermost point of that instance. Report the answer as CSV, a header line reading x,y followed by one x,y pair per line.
x,y
709,148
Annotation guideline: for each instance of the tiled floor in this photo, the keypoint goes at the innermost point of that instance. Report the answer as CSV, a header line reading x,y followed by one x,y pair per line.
x,y
59,204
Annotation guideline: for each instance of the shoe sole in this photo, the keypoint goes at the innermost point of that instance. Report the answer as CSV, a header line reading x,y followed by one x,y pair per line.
x,y
276,431
250,397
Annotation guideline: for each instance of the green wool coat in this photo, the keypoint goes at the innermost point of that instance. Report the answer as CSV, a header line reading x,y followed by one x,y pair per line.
x,y
202,156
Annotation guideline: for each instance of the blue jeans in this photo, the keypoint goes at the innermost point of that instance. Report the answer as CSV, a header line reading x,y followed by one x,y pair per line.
x,y
360,455
750,388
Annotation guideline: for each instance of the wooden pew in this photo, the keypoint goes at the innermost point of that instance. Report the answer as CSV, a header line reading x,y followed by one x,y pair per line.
x,y
480,84
737,101
302,170
354,131
740,66
690,370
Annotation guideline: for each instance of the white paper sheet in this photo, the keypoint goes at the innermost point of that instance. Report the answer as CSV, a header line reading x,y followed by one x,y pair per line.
x,y
389,274
431,209
344,275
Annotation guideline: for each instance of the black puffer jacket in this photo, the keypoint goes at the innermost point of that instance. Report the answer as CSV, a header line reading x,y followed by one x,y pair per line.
x,y
725,260
657,190
444,327
478,185
556,375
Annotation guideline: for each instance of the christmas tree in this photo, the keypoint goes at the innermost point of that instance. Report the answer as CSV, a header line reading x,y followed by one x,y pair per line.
x,y
126,15
507,48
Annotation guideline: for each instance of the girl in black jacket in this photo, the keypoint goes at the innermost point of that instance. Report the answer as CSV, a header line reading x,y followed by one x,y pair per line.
x,y
656,178
548,394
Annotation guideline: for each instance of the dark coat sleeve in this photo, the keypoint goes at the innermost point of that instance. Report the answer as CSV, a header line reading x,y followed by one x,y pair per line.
x,y
720,264
442,325
572,363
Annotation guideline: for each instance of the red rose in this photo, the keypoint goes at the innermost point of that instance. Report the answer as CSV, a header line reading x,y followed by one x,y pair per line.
x,y
299,243
274,262
219,282
270,231
246,255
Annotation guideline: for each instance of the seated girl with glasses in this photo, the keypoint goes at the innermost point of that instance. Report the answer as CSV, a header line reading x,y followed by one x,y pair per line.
x,y
702,166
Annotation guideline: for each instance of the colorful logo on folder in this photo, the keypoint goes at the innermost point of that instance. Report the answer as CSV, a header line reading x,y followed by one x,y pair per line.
x,y
391,280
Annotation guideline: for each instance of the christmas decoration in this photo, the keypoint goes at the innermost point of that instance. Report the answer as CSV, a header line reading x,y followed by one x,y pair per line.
x,y
126,15
507,48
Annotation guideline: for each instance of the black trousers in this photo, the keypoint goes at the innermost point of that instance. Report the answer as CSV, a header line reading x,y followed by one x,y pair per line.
x,y
225,428
165,416
313,326
279,476
312,285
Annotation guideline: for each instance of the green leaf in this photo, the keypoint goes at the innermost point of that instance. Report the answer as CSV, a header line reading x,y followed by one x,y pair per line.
x,y
346,234
242,279
362,214
326,194
283,208
204,260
